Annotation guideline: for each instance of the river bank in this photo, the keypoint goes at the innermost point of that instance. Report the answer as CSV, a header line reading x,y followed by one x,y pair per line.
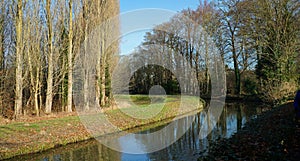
x,y
271,136
37,134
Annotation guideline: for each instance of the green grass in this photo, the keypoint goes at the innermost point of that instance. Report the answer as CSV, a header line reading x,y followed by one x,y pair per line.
x,y
25,127
143,113
23,138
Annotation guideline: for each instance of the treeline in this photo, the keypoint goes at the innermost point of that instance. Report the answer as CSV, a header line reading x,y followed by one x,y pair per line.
x,y
39,41
258,42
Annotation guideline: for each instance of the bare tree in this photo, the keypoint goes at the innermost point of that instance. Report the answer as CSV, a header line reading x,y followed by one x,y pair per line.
x,y
49,93
37,41
106,10
33,54
86,79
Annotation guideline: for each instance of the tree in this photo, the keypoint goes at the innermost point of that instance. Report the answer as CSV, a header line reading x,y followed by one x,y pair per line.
x,y
100,45
19,57
108,34
2,53
38,43
275,30
2,28
237,44
86,78
70,58
231,22
209,17
33,37
49,93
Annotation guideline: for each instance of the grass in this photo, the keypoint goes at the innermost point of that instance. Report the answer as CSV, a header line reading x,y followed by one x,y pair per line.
x,y
20,138
142,112
24,138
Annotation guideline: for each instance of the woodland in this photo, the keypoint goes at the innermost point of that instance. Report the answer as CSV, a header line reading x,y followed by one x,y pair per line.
x,y
258,44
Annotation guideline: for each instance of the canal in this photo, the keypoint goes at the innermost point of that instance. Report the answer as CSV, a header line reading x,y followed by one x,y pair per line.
x,y
192,145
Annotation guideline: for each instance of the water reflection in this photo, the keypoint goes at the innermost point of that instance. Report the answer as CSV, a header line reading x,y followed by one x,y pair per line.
x,y
188,147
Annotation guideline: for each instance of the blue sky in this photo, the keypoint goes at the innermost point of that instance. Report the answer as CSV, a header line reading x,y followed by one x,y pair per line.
x,y
131,40
175,5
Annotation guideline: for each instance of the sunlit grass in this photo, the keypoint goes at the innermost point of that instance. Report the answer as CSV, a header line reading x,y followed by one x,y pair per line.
x,y
143,111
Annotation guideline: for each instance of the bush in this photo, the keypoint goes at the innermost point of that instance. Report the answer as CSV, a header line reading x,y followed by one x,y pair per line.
x,y
250,87
278,92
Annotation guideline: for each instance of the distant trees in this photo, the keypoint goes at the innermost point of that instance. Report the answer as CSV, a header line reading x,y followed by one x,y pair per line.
x,y
251,35
151,75
186,51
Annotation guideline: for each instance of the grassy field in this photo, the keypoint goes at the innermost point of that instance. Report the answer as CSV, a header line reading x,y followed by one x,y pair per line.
x,y
24,137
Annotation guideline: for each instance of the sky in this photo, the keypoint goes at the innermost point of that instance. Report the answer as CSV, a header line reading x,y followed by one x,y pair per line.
x,y
175,5
133,14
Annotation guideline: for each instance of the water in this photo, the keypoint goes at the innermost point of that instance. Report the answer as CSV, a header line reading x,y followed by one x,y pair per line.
x,y
188,147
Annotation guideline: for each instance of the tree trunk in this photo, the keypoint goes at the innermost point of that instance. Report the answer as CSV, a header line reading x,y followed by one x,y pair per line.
x,y
207,72
102,86
49,94
36,102
85,63
70,58
2,56
19,47
236,70
103,64
33,87
235,60
2,34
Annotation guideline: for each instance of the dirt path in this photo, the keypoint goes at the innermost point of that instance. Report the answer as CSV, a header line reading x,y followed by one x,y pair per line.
x,y
272,136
